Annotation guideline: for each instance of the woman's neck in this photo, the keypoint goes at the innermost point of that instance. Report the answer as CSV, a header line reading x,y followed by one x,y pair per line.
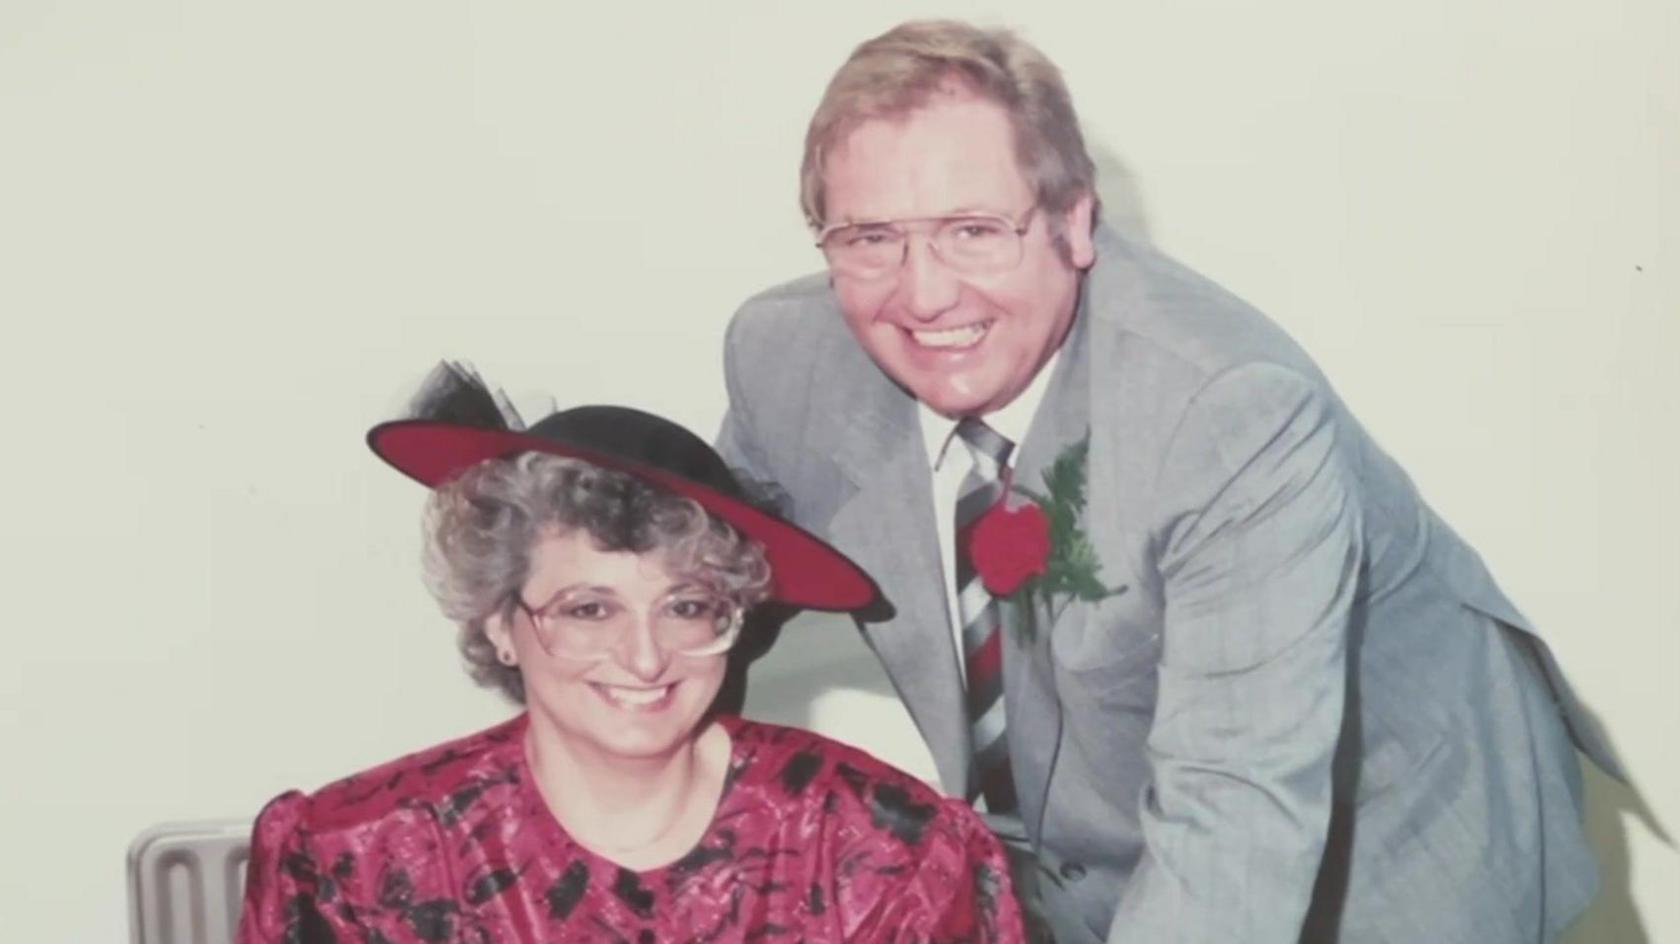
x,y
640,812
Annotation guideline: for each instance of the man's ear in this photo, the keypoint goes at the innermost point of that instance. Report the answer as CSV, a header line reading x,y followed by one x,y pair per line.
x,y
1076,229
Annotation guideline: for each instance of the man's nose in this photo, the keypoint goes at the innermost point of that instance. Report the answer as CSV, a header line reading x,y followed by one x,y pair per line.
x,y
928,286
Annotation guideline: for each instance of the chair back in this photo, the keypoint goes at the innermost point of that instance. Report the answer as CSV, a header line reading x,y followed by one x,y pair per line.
x,y
186,882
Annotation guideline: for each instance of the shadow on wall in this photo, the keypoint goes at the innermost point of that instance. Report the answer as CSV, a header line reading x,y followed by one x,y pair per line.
x,y
815,654
1614,915
1117,187
820,676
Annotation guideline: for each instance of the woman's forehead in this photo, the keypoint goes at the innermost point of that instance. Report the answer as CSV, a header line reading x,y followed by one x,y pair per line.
x,y
572,558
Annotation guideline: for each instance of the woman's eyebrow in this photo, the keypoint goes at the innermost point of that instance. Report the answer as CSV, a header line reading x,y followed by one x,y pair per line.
x,y
570,588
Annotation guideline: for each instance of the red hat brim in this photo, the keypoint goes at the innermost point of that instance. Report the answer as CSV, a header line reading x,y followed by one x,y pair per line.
x,y
804,570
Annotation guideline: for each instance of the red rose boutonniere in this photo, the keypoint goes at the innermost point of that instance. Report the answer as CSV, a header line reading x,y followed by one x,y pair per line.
x,y
1010,546
1035,553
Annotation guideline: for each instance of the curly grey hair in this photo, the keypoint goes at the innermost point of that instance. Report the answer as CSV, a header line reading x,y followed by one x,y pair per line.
x,y
482,528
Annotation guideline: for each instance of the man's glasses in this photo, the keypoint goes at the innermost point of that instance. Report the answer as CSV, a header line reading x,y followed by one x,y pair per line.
x,y
973,244
592,629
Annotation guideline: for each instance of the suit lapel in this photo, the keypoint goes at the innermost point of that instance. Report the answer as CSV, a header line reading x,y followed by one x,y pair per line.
x,y
887,525
1034,709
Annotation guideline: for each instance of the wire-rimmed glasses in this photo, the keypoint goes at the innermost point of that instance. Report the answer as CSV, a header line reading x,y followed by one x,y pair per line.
x,y
693,624
971,243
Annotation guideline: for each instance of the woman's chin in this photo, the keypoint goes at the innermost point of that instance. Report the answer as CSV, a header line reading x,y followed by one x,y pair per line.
x,y
648,726
641,741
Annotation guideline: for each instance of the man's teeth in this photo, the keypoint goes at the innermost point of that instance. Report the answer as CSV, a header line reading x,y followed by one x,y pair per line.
x,y
636,696
951,337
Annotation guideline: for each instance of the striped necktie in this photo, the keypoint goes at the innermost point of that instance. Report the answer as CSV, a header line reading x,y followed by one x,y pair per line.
x,y
982,627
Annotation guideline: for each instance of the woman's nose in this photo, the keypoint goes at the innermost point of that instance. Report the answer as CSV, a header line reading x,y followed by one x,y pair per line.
x,y
640,652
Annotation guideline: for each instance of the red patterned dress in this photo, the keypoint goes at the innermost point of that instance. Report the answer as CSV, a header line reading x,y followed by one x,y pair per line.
x,y
812,841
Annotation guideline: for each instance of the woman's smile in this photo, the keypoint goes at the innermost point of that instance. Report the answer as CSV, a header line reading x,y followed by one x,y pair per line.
x,y
645,698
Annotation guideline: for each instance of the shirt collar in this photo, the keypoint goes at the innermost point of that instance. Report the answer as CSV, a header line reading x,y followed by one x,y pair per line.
x,y
1011,422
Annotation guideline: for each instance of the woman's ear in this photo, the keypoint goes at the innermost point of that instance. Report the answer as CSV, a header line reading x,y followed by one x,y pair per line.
x,y
500,634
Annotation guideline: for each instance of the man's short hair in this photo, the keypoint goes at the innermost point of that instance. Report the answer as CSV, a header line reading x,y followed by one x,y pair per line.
x,y
901,69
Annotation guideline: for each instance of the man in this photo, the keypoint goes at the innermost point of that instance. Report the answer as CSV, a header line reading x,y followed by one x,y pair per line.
x,y
1260,692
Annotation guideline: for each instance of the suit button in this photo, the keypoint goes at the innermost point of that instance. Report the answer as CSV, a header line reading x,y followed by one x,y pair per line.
x,y
1072,871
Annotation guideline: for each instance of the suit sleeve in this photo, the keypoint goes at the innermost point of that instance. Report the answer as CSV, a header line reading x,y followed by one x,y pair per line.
x,y
1260,554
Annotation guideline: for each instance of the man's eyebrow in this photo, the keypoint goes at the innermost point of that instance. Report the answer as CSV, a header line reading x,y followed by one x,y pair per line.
x,y
966,209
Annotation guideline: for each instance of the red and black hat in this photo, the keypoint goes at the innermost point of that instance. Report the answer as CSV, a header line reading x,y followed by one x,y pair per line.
x,y
805,571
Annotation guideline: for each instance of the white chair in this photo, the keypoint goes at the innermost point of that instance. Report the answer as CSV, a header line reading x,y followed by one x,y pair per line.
x,y
186,882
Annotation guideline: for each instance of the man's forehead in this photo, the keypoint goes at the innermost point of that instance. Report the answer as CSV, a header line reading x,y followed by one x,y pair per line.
x,y
952,155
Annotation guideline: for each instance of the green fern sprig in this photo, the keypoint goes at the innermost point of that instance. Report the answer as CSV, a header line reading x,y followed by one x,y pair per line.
x,y
1071,571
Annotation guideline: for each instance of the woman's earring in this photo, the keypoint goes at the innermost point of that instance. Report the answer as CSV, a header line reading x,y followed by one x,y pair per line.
x,y
504,656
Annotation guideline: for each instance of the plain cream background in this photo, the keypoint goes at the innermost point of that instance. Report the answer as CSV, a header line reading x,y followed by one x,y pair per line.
x,y
234,234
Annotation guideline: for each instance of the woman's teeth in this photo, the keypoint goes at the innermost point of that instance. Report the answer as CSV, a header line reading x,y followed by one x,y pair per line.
x,y
635,697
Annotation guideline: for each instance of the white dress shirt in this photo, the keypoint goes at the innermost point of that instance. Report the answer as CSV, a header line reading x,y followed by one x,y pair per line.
x,y
949,463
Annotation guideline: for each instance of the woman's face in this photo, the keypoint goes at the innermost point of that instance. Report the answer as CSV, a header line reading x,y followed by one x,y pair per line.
x,y
640,701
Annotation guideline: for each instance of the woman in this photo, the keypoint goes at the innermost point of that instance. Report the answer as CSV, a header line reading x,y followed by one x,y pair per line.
x,y
600,566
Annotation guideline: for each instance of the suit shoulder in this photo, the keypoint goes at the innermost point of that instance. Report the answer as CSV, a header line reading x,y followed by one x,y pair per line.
x,y
805,289
803,307
1159,307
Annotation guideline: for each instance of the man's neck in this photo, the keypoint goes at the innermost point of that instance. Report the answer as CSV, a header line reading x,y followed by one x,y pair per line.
x,y
1010,421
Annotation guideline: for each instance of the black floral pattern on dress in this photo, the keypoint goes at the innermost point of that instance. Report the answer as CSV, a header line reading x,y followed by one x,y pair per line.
x,y
811,841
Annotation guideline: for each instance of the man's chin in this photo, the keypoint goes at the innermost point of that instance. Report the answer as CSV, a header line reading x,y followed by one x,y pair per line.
x,y
953,401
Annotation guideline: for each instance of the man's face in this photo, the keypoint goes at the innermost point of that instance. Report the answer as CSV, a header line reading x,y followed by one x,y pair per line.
x,y
964,344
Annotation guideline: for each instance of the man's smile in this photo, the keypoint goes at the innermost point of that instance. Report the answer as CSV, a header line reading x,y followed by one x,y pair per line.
x,y
960,338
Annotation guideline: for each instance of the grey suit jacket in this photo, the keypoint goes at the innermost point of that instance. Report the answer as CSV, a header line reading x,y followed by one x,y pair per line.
x,y
1310,714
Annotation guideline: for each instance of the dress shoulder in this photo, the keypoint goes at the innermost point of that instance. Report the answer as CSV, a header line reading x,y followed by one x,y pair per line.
x,y
433,776
306,848
808,759
915,864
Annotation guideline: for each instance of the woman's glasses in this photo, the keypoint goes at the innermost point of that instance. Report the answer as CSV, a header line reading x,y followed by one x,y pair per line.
x,y
593,627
